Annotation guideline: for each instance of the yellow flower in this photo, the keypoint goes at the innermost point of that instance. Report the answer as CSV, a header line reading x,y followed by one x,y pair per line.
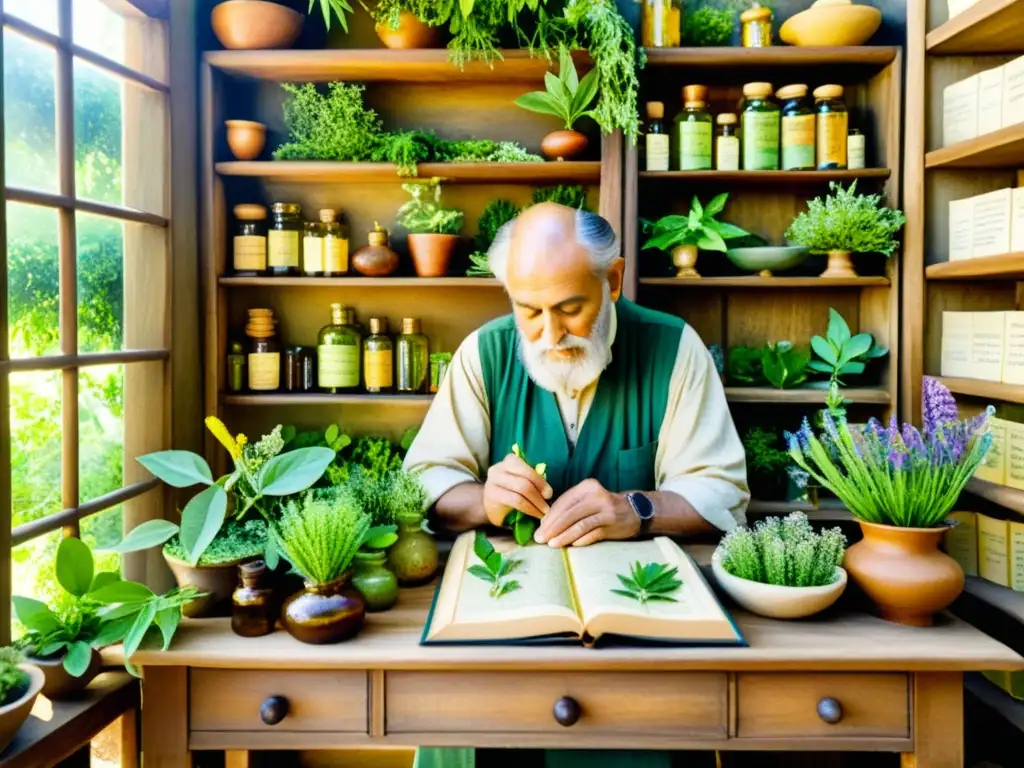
x,y
217,428
242,441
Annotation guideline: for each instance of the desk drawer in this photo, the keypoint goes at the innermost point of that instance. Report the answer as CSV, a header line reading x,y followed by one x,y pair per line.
x,y
787,704
610,703
230,700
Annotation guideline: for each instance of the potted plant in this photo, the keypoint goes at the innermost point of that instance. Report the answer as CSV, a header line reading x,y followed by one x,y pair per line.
x,y
257,24
433,229
844,223
899,484
782,568
413,557
568,98
683,235
768,465
398,26
20,684
841,352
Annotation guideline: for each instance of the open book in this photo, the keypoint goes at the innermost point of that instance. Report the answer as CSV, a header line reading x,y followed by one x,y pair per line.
x,y
567,594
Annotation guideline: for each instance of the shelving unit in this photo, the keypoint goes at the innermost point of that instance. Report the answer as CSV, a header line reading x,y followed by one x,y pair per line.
x,y
988,390
772,178
756,281
376,283
998,149
385,173
1007,265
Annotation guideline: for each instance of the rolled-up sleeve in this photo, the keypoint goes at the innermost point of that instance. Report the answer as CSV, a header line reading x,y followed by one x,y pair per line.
x,y
453,445
700,455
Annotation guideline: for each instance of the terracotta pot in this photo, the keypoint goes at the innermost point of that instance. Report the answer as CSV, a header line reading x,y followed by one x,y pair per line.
x,y
58,684
411,33
255,24
561,145
904,572
839,265
13,715
685,259
432,253
246,138
324,613
218,581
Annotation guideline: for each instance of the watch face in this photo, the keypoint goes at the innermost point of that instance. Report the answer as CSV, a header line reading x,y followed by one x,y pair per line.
x,y
644,506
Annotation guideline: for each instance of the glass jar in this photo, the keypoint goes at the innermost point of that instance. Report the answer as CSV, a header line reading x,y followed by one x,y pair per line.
x,y
375,582
727,143
759,126
249,248
338,351
832,127
656,140
413,557
855,150
253,606
264,353
284,239
305,370
335,244
378,357
290,368
236,367
439,362
693,131
756,27
413,358
797,128
661,23
313,250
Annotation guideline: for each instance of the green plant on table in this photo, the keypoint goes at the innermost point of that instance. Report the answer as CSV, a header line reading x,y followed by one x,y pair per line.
x,y
522,525
496,567
13,680
237,541
320,532
709,26
424,214
653,582
566,96
846,221
784,364
784,552
842,354
699,228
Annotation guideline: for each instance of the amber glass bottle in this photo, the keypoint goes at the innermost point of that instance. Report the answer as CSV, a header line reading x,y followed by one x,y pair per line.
x,y
253,610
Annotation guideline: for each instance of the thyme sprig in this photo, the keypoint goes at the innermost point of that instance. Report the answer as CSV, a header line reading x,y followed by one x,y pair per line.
x,y
496,567
649,583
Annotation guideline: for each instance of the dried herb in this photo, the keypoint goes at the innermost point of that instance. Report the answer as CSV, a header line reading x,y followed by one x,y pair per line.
x,y
496,566
653,582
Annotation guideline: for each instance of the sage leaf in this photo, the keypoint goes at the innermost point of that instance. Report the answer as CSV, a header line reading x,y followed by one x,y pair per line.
x,y
103,578
113,631
147,535
482,547
74,566
35,615
294,471
77,659
138,630
121,592
167,620
182,469
201,521
482,573
524,529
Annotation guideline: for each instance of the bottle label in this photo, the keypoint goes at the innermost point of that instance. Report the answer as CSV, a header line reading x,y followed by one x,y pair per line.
x,y
265,371
283,248
250,253
379,365
831,136
797,142
337,366
657,151
312,254
760,141
728,158
336,255
855,152
694,146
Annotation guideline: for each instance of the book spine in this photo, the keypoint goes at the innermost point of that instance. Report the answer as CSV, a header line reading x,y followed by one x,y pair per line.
x,y
961,542
1013,92
960,111
990,230
993,550
956,344
988,345
993,468
1017,556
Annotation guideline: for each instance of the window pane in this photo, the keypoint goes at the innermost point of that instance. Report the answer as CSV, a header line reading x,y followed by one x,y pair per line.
x,y
35,445
41,13
100,430
32,572
32,282
29,117
100,283
99,28
131,39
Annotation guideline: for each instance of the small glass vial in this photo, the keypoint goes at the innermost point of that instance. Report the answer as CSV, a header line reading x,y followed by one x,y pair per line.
x,y
759,128
335,244
727,143
312,250
284,239
378,357
855,150
832,127
413,358
264,352
337,352
693,131
656,140
661,23
439,362
249,248
236,367
253,611
305,370
756,27
290,368
797,128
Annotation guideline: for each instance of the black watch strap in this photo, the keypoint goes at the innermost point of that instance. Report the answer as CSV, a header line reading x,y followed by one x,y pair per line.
x,y
644,508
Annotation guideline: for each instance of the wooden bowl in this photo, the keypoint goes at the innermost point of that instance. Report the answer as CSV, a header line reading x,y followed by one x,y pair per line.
x,y
14,714
827,25
411,33
246,138
245,25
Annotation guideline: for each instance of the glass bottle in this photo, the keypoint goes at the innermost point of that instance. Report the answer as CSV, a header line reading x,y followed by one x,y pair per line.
x,y
313,250
337,354
413,557
335,244
756,27
236,367
378,357
855,150
439,362
290,368
797,128
305,370
656,141
693,131
413,358
375,581
253,612
264,354
832,127
283,239
249,248
759,128
661,23
351,321
727,143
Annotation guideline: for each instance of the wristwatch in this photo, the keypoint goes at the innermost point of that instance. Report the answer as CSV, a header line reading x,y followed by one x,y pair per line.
x,y
644,509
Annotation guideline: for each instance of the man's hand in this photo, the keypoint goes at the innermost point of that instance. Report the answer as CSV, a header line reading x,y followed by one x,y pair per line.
x,y
514,484
587,513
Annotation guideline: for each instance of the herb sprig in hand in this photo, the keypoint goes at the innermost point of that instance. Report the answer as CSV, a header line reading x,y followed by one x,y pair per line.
x,y
496,566
523,526
649,583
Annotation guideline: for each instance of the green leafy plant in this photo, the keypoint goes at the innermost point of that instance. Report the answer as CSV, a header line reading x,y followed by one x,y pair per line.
x,y
653,582
14,681
846,221
743,365
496,566
709,26
784,364
569,195
238,540
331,437
843,353
424,214
497,214
768,463
319,533
522,525
698,228
565,96
784,552
339,8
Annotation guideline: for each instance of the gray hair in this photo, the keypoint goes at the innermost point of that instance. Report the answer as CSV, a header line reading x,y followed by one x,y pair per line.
x,y
593,233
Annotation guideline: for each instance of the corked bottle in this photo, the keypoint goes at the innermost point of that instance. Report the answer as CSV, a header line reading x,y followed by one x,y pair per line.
x,y
253,608
264,354
375,259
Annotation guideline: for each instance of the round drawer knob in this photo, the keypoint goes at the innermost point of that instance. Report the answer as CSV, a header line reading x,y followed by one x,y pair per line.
x,y
567,711
830,710
274,709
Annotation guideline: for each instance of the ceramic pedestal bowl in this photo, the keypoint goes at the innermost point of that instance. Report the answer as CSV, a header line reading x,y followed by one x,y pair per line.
x,y
255,24
774,601
832,24
769,258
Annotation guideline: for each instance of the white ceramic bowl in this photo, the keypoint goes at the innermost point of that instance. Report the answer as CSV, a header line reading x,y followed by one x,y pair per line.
x,y
774,601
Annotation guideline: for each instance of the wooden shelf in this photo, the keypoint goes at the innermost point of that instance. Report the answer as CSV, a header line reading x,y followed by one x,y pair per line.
x,y
1008,498
996,699
1005,599
829,510
992,390
765,177
320,398
570,172
1009,265
756,281
990,26
734,57
382,65
359,282
999,149
804,396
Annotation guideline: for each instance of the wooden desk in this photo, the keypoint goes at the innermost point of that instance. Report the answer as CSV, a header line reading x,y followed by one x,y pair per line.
x,y
900,690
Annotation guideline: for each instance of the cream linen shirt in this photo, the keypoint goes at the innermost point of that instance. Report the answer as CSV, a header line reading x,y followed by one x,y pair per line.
x,y
699,455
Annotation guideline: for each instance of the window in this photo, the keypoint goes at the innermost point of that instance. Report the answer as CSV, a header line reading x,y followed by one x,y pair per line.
x,y
84,282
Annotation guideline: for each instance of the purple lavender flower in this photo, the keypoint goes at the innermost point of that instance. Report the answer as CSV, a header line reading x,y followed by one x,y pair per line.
x,y
792,441
912,438
892,434
938,404
897,458
874,427
830,425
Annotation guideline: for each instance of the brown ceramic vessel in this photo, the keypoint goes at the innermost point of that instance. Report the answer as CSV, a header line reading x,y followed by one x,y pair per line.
x,y
255,25
14,714
840,264
325,613
58,684
246,138
217,581
411,33
904,572
431,254
375,259
562,145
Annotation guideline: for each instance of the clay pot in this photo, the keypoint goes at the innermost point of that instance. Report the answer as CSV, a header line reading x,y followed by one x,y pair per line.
x,y
254,24
685,259
411,33
14,714
839,265
375,259
904,572
432,253
246,138
324,613
58,684
375,582
218,581
414,556
561,145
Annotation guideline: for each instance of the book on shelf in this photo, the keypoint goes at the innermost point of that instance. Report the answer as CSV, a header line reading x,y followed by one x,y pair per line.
x,y
1013,92
1017,556
960,111
1013,342
956,344
990,100
961,541
993,468
1017,221
1013,454
994,549
988,345
990,231
565,595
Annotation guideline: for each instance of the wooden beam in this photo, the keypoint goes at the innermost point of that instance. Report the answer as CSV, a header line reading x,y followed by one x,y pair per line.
x,y
165,708
6,511
64,362
938,726
69,203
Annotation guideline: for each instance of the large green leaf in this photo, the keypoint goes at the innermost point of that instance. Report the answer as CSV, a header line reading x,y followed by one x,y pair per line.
x,y
825,350
168,620
712,241
114,630
856,346
182,469
35,615
103,578
838,330
74,566
294,472
716,205
727,230
147,535
201,521
76,660
558,89
584,94
122,592
133,639
543,103
567,70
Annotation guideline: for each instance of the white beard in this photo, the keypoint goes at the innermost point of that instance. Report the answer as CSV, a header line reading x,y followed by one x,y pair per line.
x,y
570,375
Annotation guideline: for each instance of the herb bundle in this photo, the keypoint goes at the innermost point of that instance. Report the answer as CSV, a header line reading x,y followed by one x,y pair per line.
x,y
320,533
496,566
653,582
